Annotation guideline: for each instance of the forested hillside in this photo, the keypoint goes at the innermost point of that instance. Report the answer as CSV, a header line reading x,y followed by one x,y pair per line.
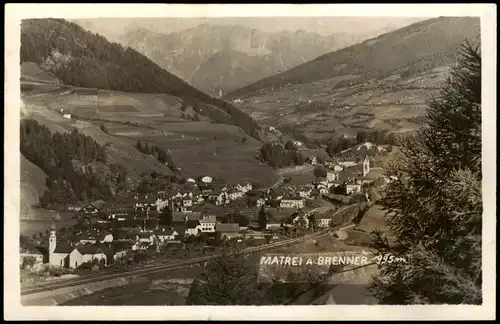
x,y
75,165
81,58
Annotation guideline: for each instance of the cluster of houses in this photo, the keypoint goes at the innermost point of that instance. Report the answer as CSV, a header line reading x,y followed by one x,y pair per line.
x,y
201,206
347,175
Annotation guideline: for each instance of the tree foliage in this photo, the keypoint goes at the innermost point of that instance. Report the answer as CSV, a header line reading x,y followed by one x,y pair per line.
x,y
104,128
226,280
435,206
28,262
159,153
262,218
320,171
65,157
379,137
166,217
277,156
296,134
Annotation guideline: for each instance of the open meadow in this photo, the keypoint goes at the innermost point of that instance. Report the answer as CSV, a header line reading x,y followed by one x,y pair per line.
x,y
196,147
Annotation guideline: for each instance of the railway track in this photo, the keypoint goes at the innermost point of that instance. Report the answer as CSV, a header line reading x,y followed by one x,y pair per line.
x,y
47,286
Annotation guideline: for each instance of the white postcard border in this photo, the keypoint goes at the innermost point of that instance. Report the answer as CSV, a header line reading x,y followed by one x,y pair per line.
x,y
12,306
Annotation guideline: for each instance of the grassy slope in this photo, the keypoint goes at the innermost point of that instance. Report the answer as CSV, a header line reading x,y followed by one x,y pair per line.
x,y
380,83
65,48
192,144
32,185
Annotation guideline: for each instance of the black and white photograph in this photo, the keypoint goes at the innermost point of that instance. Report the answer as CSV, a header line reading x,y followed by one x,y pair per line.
x,y
216,159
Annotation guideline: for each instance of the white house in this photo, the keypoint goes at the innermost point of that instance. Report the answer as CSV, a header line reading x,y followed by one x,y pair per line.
x,y
64,255
36,253
57,252
161,203
292,202
206,179
332,176
193,227
246,187
260,202
222,199
67,116
366,165
234,194
166,235
105,237
191,180
187,202
207,224
299,218
322,188
347,163
352,187
273,224
337,168
146,237
119,216
323,221
86,253
120,254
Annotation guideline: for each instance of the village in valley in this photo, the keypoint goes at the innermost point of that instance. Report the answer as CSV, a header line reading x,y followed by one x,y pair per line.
x,y
200,216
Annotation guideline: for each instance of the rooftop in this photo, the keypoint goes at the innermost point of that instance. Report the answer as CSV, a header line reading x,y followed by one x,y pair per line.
x,y
144,235
93,249
167,232
63,248
230,227
192,224
208,219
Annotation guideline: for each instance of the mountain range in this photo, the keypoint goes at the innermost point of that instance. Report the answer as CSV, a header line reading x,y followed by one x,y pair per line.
x,y
219,58
119,96
383,83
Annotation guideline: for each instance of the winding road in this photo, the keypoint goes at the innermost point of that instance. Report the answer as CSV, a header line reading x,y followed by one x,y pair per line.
x,y
47,286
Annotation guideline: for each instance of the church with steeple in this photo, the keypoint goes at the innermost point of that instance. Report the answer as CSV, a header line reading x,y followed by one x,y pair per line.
x,y
366,165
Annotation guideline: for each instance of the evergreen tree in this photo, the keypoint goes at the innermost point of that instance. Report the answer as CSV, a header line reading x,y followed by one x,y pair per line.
x,y
289,145
262,218
104,128
139,146
226,280
320,171
435,206
166,217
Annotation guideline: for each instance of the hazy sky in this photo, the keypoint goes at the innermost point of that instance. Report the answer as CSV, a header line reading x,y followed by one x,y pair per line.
x,y
320,25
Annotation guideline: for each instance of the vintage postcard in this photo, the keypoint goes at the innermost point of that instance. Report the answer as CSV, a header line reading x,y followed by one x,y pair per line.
x,y
318,162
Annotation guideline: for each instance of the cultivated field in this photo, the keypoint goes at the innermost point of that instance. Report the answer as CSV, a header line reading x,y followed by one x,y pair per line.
x,y
197,148
320,108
